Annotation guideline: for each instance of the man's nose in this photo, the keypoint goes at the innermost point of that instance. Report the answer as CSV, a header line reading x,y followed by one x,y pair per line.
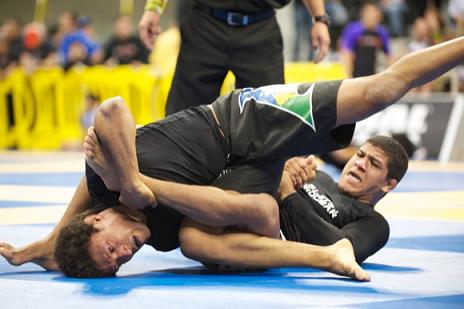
x,y
124,254
361,163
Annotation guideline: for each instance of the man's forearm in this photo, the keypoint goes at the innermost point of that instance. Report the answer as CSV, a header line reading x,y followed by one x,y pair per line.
x,y
315,7
216,207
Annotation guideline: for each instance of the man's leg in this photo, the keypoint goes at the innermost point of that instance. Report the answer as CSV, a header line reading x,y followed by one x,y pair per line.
x,y
42,251
241,249
209,205
115,128
359,98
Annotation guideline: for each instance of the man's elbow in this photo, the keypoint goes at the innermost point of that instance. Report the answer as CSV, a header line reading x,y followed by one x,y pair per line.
x,y
270,215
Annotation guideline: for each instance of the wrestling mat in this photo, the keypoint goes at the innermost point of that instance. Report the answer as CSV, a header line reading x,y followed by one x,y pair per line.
x,y
422,265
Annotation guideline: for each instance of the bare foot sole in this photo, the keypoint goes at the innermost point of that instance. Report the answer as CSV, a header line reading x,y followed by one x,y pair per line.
x,y
100,161
344,262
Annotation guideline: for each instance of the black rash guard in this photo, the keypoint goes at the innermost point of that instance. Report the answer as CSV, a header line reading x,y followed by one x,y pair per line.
x,y
320,214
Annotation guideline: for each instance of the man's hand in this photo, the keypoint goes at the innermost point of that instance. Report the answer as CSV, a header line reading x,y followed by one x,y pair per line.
x,y
301,170
320,39
40,252
149,28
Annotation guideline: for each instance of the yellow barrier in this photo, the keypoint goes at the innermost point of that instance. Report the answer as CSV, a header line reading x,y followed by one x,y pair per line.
x,y
43,110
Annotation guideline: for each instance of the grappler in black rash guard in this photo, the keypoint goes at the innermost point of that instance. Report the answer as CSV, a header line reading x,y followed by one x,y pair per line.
x,y
322,211
240,135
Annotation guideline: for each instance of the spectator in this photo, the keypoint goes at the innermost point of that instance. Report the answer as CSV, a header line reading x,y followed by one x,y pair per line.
x,y
362,39
88,116
420,36
124,47
302,50
395,10
11,30
37,47
78,47
339,16
67,23
5,56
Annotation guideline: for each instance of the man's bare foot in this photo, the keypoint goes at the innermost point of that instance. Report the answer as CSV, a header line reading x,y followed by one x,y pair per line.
x,y
134,194
39,252
344,262
98,158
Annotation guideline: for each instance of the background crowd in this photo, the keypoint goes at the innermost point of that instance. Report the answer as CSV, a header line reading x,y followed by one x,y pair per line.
x,y
394,28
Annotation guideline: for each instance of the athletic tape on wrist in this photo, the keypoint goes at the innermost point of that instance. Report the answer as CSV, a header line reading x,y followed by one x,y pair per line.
x,y
156,6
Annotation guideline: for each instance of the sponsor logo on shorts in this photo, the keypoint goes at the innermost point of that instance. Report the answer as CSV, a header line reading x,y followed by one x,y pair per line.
x,y
284,97
321,199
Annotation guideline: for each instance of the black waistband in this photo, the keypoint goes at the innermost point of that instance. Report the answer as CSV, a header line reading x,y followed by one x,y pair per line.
x,y
237,19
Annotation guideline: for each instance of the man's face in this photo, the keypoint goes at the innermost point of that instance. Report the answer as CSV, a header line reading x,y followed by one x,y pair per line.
x,y
117,237
365,175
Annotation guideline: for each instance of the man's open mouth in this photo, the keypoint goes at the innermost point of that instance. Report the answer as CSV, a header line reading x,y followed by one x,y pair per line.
x,y
354,176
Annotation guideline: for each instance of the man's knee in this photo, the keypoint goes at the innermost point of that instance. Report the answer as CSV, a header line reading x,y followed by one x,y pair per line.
x,y
111,106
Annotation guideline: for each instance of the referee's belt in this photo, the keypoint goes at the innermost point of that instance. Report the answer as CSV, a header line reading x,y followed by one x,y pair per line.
x,y
237,19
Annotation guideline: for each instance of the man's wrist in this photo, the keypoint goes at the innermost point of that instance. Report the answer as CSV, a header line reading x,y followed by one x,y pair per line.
x,y
156,6
325,19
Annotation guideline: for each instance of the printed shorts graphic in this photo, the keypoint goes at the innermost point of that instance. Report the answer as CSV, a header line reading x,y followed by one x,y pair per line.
x,y
283,97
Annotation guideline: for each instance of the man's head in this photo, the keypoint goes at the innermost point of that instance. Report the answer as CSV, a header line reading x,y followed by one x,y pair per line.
x,y
96,243
375,169
371,15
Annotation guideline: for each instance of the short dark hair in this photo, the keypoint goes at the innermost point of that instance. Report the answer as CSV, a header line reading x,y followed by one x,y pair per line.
x,y
72,249
397,157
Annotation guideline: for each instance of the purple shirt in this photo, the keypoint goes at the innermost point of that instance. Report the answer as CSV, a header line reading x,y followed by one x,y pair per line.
x,y
364,44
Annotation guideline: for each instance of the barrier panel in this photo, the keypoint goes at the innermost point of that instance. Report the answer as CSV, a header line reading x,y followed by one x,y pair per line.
x,y
43,110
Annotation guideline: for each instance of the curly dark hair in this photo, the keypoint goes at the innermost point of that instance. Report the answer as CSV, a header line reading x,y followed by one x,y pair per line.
x,y
397,156
71,249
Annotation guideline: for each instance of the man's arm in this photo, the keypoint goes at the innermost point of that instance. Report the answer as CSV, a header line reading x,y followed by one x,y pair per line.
x,y
241,249
320,37
216,207
42,252
359,98
367,235
149,27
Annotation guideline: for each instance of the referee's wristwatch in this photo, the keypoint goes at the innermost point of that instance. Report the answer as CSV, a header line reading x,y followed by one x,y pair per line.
x,y
322,19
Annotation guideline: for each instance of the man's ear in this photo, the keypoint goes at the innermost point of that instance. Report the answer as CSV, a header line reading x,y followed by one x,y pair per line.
x,y
390,185
92,219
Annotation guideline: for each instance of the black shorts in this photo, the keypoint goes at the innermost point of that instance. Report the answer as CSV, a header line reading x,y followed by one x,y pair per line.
x,y
267,125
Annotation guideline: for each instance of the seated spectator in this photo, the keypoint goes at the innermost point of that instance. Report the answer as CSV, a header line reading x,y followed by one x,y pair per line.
x,y
124,47
421,38
5,56
78,47
37,47
11,31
